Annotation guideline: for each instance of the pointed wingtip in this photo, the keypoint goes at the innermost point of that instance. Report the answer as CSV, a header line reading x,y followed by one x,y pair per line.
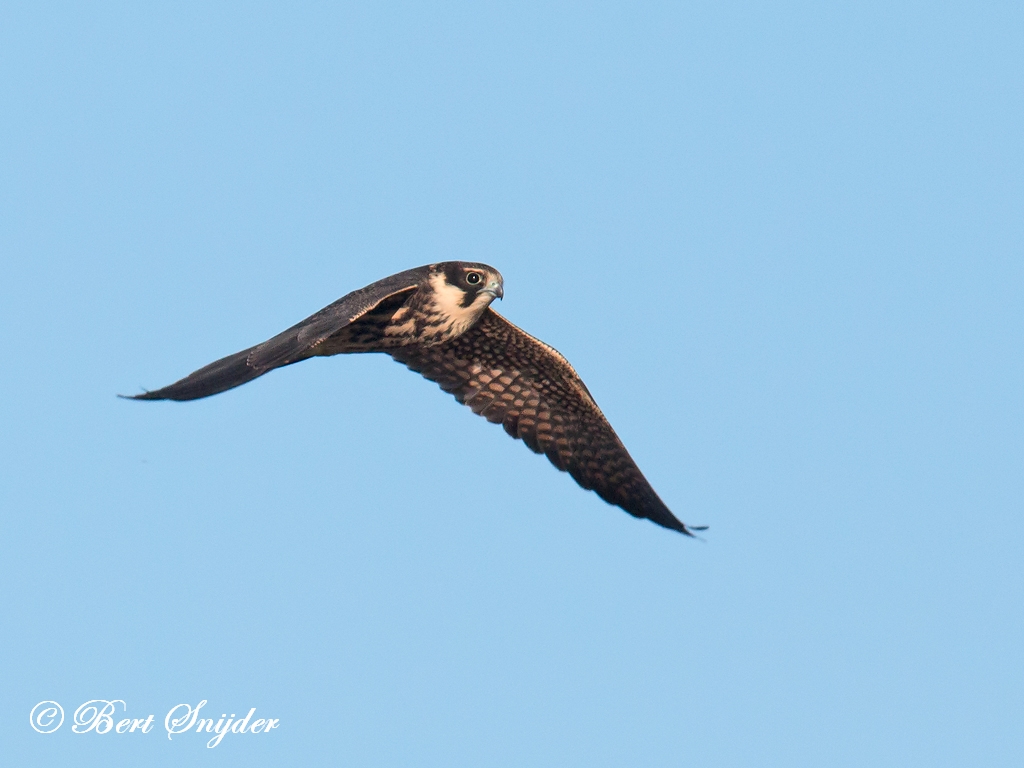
x,y
145,395
690,531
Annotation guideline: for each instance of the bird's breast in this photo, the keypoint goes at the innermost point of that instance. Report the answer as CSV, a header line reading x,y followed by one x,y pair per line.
x,y
434,316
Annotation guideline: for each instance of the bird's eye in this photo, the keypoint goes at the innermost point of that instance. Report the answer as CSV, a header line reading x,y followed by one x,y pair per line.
x,y
473,278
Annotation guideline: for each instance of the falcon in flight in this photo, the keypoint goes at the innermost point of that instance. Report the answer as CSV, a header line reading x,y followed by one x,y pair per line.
x,y
437,319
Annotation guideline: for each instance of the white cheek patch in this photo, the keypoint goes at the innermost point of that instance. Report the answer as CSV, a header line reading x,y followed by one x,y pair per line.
x,y
447,298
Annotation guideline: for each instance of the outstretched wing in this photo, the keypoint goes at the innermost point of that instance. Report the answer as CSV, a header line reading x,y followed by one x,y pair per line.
x,y
299,342
513,379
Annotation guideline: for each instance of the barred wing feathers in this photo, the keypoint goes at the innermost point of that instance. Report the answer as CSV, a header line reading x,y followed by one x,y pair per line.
x,y
511,378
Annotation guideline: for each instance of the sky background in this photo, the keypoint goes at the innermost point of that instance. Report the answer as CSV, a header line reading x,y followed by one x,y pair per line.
x,y
783,244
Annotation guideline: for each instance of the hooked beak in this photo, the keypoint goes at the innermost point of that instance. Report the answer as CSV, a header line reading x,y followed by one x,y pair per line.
x,y
495,289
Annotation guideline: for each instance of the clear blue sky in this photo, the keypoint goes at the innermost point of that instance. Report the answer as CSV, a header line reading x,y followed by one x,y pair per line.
x,y
783,243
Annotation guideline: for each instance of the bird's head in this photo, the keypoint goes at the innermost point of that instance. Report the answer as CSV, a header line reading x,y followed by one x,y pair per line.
x,y
477,284
464,288
455,294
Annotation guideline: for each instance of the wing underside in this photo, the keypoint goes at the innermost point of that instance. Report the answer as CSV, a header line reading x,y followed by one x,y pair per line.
x,y
513,379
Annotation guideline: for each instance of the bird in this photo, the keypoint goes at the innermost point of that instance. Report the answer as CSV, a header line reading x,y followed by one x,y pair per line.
x,y
437,319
